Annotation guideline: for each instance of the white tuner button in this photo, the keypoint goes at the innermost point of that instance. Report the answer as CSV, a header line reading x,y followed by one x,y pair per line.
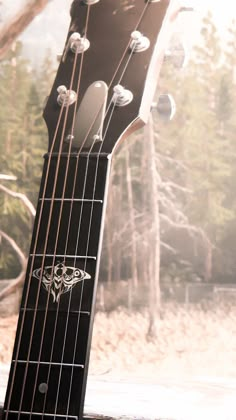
x,y
78,44
139,42
90,2
121,96
165,107
66,97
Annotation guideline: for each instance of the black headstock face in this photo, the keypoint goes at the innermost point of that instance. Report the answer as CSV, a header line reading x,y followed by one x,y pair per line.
x,y
109,57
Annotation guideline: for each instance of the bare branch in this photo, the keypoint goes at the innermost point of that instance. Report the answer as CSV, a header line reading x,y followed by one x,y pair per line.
x,y
22,197
186,226
168,159
13,286
15,247
8,177
11,30
170,184
171,207
23,261
168,247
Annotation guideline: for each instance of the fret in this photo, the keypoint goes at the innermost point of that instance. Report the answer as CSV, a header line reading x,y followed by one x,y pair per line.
x,y
63,388
71,200
85,179
82,257
30,414
84,155
64,229
24,309
35,362
48,344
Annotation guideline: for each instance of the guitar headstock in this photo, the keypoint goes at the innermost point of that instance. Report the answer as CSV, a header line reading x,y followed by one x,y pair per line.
x,y
108,72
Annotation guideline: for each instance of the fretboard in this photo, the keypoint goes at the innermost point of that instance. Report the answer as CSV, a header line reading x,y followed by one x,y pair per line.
x,y
51,354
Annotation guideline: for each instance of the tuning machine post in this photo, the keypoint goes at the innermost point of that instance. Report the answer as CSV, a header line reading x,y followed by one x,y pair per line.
x,y
66,97
77,44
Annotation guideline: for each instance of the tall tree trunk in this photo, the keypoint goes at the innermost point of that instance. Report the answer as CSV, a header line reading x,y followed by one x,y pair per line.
x,y
134,275
154,267
11,30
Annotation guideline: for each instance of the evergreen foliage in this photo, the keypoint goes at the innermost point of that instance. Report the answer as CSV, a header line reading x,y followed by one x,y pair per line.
x,y
196,151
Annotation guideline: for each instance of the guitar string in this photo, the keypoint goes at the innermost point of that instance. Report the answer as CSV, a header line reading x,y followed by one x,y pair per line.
x,y
49,291
44,252
78,322
59,219
21,323
33,257
91,215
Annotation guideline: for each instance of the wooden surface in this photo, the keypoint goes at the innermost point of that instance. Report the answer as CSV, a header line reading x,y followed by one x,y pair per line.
x,y
165,399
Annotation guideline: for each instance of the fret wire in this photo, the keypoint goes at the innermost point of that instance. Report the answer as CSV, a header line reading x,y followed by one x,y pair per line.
x,y
67,416
85,200
82,257
87,313
84,155
35,362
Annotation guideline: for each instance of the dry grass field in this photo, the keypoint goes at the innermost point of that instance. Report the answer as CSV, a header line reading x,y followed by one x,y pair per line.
x,y
194,340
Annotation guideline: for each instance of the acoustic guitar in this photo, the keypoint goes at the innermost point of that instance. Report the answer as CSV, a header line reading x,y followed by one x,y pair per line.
x,y
103,91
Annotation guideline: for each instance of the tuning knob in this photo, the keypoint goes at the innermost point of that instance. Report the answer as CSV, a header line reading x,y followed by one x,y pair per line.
x,y
165,107
177,54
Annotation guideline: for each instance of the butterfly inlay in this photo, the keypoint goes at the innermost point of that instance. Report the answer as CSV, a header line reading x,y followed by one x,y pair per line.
x,y
60,279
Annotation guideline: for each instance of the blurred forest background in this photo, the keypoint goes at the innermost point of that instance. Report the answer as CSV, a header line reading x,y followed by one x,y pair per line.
x,y
171,218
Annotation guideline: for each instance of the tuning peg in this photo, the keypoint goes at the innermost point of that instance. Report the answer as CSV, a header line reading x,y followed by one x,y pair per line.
x,y
165,107
177,54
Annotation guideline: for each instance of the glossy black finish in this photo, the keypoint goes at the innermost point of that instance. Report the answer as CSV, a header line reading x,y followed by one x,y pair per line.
x,y
110,26
53,339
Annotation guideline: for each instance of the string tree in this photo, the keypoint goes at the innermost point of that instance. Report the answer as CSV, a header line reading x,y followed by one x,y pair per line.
x,y
90,117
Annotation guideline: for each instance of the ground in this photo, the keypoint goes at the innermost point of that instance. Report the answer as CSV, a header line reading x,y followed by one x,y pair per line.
x,y
190,341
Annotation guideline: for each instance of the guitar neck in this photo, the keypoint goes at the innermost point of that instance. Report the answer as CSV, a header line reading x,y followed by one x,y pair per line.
x,y
103,91
51,354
